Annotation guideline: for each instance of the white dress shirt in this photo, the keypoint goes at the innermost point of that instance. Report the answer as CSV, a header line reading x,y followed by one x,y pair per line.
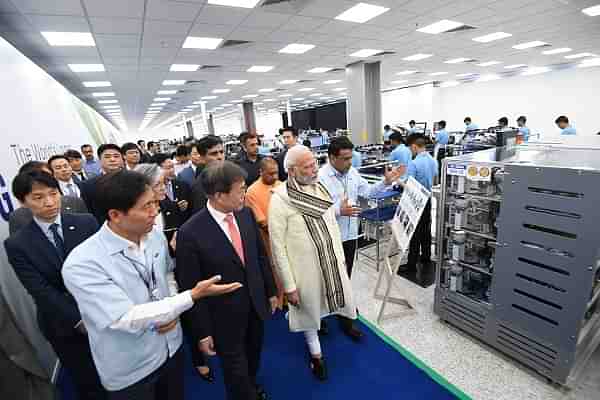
x,y
220,218
69,188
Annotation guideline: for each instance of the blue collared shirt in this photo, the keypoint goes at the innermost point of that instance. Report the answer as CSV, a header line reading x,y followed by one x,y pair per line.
x,y
471,127
569,130
423,168
103,275
387,134
442,136
525,132
45,227
356,159
412,130
402,155
352,186
92,168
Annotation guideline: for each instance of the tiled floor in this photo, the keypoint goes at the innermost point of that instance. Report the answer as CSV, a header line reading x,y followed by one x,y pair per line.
x,y
476,369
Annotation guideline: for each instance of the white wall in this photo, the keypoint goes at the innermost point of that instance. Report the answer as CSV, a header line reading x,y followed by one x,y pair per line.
x,y
39,118
541,98
400,106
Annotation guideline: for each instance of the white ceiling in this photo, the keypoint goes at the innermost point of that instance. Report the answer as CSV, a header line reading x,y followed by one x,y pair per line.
x,y
138,40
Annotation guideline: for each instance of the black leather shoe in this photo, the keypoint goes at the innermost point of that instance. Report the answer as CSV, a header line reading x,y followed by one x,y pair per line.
x,y
318,368
353,333
260,393
406,268
324,331
208,377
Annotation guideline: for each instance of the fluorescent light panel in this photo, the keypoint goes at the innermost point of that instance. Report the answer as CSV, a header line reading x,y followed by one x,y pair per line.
x,y
208,97
365,53
590,62
288,82
86,67
487,78
297,48
107,101
438,73
332,81
529,45
536,70
84,39
235,3
361,13
184,67
319,70
492,37
592,11
236,82
444,25
260,68
557,51
457,60
173,82
515,66
340,89
579,55
267,90
161,99
488,63
466,75
250,96
163,92
417,57
207,43
408,72
103,94
91,84
306,89
221,91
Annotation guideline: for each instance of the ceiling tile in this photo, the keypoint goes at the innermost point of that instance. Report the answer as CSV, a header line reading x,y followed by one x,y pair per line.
x,y
150,40
6,6
115,8
330,9
121,26
117,51
16,23
158,27
171,10
265,20
62,7
249,34
210,30
58,23
304,24
105,41
222,15
281,36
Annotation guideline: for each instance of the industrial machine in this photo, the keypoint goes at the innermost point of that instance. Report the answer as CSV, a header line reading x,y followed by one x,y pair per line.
x,y
518,260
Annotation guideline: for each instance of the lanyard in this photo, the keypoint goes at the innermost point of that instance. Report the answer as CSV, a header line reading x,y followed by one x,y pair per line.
x,y
149,279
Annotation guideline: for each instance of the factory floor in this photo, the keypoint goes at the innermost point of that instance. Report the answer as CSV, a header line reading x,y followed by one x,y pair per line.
x,y
476,369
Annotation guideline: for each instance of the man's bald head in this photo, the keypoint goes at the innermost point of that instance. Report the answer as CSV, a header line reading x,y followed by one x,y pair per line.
x,y
269,171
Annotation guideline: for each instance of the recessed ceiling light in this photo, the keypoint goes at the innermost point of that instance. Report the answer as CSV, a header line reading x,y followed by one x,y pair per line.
x,y
316,94
97,84
235,3
536,70
157,104
361,13
266,90
366,53
319,70
237,101
417,57
226,105
109,107
408,72
340,89
399,82
325,98
589,62
207,43
579,55
107,101
173,82
306,89
298,98
438,73
440,26
269,100
184,67
457,60
221,91
236,82
450,84
592,11
285,95
161,99
515,66
557,51
154,108
192,107
297,48
249,96
488,63
260,68
86,67
491,37
487,78
84,39
103,94
208,97
308,101
529,45
288,82
163,92
466,75
332,81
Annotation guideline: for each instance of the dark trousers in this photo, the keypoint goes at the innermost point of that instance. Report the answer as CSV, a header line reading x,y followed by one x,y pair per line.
x,y
75,355
198,358
239,351
420,244
349,252
166,383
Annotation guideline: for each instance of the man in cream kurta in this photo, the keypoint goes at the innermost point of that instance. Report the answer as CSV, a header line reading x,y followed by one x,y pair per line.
x,y
307,252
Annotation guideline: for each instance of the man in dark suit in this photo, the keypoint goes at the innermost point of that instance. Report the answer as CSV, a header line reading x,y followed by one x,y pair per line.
x,y
249,159
70,185
190,173
290,139
111,160
37,253
233,324
210,149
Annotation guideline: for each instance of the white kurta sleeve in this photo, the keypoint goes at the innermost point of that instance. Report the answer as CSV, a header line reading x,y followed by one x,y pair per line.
x,y
278,226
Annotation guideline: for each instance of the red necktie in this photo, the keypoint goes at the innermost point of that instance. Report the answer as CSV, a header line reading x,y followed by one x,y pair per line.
x,y
236,239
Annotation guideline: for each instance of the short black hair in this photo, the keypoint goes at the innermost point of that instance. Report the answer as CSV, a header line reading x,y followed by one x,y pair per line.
x,y
107,146
150,144
129,146
339,143
73,154
412,122
54,158
522,118
503,121
120,191
442,124
139,142
23,183
467,119
387,127
562,118
219,177
206,143
418,140
290,129
31,166
182,150
307,143
83,146
396,137
160,158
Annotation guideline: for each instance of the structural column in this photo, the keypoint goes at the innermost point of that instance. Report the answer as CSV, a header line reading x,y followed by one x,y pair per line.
x,y
210,124
249,117
364,102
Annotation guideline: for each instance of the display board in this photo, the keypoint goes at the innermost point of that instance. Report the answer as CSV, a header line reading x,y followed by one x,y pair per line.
x,y
412,203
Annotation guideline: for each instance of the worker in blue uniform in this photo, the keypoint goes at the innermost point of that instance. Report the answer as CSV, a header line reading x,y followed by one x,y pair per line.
x,y
401,154
523,130
424,169
412,127
441,139
469,125
565,128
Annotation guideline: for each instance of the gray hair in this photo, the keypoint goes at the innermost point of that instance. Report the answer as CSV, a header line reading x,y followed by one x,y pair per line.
x,y
220,176
151,171
294,154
